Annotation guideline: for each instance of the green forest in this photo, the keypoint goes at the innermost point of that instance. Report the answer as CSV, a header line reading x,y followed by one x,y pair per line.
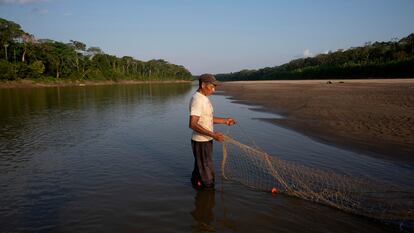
x,y
25,57
393,59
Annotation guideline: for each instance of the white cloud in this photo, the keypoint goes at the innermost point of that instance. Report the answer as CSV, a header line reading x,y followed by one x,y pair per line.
x,y
307,53
21,2
67,14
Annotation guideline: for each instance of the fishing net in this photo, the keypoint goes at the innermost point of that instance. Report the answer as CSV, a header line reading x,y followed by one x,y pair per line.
x,y
254,168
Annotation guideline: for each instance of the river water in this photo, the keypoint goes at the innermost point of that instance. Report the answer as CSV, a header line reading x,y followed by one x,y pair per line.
x,y
118,158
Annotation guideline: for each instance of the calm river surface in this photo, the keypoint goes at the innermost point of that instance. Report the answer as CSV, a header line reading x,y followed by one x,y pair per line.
x,y
118,159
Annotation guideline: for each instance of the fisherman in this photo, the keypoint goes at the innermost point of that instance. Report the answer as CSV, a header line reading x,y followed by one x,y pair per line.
x,y
201,122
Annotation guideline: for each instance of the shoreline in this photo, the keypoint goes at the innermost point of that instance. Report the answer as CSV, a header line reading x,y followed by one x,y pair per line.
x,y
372,116
73,83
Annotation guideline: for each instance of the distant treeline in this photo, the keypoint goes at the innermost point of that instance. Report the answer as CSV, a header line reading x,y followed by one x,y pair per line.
x,y
25,57
380,59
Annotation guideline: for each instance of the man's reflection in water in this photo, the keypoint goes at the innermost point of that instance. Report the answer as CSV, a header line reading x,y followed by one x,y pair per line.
x,y
203,213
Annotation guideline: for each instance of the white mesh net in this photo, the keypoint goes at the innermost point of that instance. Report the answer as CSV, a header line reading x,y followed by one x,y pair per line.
x,y
256,169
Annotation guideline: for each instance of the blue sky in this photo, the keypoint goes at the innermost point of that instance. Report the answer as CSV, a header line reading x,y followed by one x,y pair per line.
x,y
214,36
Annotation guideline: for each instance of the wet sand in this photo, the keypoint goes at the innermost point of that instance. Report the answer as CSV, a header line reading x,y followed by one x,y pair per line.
x,y
371,116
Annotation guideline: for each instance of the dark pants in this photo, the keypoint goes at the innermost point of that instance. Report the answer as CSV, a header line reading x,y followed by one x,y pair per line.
x,y
203,173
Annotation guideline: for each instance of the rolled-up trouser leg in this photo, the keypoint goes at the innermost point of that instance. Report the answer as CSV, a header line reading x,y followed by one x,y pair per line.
x,y
203,163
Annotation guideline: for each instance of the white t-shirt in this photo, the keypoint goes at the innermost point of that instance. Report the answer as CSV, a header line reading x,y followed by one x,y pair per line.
x,y
201,106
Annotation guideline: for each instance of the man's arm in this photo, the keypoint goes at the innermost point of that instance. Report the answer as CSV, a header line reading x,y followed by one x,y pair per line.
x,y
193,124
226,121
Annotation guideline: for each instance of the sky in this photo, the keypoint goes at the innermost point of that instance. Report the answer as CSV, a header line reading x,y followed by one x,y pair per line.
x,y
214,36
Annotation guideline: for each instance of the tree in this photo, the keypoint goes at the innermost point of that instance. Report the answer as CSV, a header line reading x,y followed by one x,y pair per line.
x,y
37,67
126,61
94,51
44,57
5,49
80,48
9,31
27,41
60,57
393,58
77,45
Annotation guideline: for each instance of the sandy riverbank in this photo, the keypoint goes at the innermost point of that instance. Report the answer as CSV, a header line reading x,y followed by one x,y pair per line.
x,y
62,83
373,116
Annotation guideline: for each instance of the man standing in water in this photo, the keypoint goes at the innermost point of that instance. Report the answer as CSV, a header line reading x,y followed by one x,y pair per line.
x,y
201,122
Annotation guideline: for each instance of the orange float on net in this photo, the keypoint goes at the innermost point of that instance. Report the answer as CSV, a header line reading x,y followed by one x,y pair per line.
x,y
274,190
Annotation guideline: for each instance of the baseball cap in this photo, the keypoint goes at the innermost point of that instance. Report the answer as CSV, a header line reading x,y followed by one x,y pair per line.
x,y
208,78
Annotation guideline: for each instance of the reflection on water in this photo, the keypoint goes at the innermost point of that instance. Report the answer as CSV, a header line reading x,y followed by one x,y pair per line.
x,y
118,159
203,213
60,146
